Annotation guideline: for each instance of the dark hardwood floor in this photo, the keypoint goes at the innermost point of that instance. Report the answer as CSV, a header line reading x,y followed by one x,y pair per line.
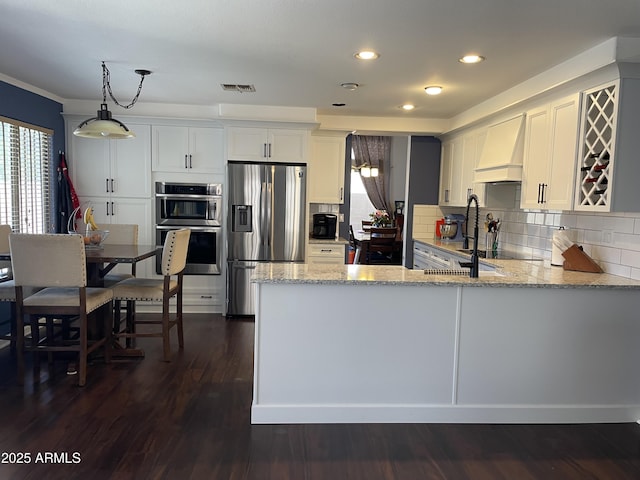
x,y
189,419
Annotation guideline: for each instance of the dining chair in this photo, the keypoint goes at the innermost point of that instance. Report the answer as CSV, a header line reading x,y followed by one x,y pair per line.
x,y
366,225
7,292
121,234
174,259
382,245
354,245
65,303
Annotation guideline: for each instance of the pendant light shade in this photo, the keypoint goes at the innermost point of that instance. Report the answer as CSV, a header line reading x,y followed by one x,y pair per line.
x,y
103,125
368,172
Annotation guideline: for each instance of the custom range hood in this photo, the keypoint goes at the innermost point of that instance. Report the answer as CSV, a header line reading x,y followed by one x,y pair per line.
x,y
501,157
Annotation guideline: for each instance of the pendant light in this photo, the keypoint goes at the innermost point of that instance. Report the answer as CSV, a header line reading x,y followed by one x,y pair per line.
x,y
367,171
104,125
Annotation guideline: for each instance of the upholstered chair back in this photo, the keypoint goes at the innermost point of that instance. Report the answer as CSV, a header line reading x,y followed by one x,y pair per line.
x,y
5,230
122,234
174,251
48,260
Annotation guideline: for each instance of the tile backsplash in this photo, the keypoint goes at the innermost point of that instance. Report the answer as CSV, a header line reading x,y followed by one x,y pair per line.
x,y
611,239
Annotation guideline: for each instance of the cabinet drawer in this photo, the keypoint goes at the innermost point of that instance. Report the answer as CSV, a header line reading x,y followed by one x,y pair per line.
x,y
327,251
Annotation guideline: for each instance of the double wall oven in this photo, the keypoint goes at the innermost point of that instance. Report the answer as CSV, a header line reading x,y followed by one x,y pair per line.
x,y
197,206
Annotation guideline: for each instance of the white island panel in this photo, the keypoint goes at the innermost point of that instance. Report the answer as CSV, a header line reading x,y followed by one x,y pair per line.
x,y
327,346
549,347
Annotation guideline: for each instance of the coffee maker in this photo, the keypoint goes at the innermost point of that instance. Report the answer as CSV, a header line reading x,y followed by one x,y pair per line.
x,y
451,229
324,225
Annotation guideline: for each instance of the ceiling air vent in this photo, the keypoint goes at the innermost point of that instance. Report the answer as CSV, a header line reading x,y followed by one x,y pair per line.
x,y
234,87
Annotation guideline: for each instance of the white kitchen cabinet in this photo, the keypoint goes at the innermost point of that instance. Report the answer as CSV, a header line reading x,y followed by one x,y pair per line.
x,y
608,169
459,158
446,161
327,254
549,155
111,209
326,169
267,144
119,168
188,149
107,210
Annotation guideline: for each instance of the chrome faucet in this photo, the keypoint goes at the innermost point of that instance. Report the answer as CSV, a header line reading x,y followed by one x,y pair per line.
x,y
473,264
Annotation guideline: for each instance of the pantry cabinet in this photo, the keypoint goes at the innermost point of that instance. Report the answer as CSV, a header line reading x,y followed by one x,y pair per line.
x,y
267,144
549,155
326,169
608,169
188,149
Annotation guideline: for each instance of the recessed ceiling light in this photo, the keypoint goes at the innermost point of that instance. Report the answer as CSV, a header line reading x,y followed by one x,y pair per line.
x,y
471,59
433,90
408,106
367,55
350,85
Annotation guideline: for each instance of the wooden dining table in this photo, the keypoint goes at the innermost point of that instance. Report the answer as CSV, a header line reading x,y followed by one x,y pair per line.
x,y
103,259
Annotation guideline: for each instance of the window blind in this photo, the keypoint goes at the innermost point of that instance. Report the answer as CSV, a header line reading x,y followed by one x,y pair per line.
x,y
25,156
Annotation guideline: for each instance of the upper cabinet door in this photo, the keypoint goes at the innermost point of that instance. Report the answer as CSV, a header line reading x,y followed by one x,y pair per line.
x,y
536,158
326,172
245,143
89,165
206,150
287,145
170,148
562,152
131,164
444,197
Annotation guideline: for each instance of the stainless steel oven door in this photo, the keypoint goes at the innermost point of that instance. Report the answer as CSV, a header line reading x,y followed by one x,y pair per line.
x,y
205,249
188,210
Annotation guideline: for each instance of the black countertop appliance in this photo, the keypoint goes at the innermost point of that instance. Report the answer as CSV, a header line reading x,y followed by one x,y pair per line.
x,y
324,225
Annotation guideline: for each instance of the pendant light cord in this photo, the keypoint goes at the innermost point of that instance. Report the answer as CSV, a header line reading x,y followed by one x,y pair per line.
x,y
106,86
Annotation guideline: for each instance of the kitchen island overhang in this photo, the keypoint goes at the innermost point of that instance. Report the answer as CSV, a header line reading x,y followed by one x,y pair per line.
x,y
385,344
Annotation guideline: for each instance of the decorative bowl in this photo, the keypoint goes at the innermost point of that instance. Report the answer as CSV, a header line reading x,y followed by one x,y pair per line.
x,y
94,238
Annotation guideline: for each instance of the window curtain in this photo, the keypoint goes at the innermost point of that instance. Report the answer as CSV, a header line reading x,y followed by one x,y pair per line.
x,y
375,151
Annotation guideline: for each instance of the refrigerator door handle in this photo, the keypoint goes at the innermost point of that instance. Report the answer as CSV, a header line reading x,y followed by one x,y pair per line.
x,y
263,216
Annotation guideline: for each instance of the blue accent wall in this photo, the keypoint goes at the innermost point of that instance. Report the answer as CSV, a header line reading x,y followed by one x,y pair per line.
x,y
35,109
28,107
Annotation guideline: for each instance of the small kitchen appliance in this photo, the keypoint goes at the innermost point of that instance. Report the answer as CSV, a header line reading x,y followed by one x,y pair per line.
x,y
451,229
324,225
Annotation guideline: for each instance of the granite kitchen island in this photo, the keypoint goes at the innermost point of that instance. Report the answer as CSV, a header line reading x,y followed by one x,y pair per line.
x,y
528,343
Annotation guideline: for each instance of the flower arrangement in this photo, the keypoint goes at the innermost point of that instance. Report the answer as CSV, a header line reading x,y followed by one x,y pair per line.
x,y
380,218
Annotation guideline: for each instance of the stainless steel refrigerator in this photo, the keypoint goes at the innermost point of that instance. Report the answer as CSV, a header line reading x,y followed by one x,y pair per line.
x,y
266,223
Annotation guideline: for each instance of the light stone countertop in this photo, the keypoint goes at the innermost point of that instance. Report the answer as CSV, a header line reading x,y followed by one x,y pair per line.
x,y
328,241
512,273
